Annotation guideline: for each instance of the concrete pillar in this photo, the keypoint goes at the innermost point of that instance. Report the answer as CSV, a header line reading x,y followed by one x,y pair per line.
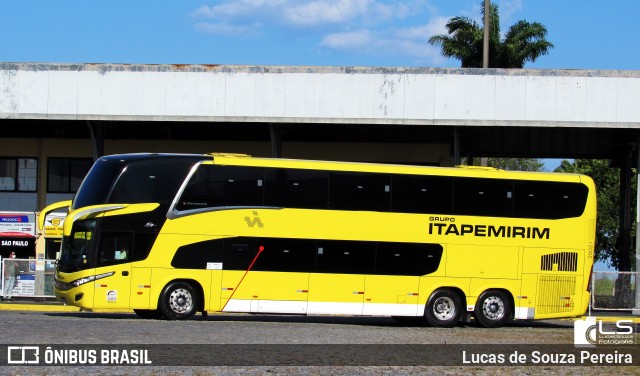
x,y
96,131
456,146
276,140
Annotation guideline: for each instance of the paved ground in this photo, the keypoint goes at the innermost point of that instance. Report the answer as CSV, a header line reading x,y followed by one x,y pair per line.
x,y
253,336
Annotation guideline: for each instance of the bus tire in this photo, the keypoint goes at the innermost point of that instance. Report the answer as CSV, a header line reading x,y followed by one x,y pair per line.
x,y
179,301
148,314
444,309
493,309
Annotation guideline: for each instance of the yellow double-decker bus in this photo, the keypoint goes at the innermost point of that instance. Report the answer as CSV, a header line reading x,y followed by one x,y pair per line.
x,y
168,235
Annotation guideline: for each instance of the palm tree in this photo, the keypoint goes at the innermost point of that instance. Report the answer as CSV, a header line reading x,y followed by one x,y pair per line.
x,y
523,42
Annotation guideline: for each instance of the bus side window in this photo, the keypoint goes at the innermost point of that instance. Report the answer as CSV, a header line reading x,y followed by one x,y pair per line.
x,y
410,259
296,188
549,200
345,257
286,255
483,197
422,194
199,255
115,247
359,191
222,186
242,185
239,253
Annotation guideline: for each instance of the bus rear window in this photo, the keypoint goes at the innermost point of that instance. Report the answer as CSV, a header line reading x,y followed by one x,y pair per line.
x,y
549,200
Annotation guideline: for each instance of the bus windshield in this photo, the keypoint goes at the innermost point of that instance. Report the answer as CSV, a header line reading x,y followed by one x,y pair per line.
x,y
76,249
96,185
138,179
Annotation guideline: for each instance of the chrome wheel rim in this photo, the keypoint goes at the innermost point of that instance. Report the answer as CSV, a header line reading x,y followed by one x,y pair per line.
x,y
180,301
444,308
493,308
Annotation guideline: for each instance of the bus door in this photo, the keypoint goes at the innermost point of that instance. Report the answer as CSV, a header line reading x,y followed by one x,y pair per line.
x,y
113,255
338,284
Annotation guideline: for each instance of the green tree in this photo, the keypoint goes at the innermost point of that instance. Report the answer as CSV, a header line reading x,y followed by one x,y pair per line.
x,y
524,42
607,180
512,164
516,164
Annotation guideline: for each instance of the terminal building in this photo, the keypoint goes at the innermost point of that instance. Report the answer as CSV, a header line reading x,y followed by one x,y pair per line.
x,y
57,119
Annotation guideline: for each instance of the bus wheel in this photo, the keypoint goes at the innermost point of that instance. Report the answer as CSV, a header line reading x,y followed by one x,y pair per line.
x,y
493,309
178,301
148,313
443,309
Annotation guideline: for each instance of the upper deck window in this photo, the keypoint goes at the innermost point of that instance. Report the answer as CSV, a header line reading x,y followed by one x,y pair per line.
x,y
296,188
223,186
549,200
220,186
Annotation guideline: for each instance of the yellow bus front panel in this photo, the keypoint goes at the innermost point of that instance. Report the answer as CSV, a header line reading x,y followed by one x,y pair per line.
x,y
76,288
114,291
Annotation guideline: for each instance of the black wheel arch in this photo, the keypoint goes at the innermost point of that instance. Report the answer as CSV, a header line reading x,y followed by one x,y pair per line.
x,y
453,289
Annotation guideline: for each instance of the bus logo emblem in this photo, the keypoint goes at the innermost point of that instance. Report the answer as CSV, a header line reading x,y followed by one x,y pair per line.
x,y
255,221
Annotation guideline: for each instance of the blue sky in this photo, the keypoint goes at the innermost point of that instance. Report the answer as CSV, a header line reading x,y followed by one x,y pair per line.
x,y
587,34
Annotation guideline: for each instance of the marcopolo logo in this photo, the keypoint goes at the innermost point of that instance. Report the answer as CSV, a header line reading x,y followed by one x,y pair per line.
x,y
591,332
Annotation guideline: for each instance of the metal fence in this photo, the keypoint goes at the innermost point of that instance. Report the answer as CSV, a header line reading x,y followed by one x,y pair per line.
x,y
32,278
613,290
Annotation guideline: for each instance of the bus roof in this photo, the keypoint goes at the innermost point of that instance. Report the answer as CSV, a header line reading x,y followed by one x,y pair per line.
x,y
462,171
237,159
130,157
